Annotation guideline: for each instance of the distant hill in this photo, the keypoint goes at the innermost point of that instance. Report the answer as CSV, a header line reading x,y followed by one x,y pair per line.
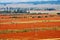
x,y
36,2
41,2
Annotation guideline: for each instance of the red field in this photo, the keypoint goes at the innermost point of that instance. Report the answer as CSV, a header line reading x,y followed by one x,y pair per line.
x,y
11,22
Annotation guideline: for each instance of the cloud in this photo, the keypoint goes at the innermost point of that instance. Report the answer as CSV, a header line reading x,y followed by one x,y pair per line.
x,y
24,0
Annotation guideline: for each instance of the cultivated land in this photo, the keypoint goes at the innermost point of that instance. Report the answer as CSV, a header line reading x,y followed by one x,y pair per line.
x,y
29,26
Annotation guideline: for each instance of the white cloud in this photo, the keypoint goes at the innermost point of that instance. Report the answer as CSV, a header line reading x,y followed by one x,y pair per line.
x,y
23,0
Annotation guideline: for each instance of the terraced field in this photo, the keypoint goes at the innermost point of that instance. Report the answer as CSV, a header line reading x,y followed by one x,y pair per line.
x,y
29,27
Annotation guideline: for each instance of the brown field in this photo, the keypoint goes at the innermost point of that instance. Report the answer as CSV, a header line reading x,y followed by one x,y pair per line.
x,y
26,21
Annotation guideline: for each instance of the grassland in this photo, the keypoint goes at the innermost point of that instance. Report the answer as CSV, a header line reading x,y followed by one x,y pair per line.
x,y
9,23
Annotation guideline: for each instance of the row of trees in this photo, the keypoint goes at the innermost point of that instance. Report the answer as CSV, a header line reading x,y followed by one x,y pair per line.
x,y
14,11
21,10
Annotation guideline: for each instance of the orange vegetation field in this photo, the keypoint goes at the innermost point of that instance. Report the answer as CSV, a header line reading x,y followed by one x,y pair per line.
x,y
19,22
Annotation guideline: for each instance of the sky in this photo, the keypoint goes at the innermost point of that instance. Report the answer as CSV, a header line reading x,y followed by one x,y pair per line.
x,y
25,0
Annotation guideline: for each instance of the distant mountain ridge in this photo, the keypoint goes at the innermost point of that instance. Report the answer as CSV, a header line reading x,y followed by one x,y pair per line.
x,y
35,2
